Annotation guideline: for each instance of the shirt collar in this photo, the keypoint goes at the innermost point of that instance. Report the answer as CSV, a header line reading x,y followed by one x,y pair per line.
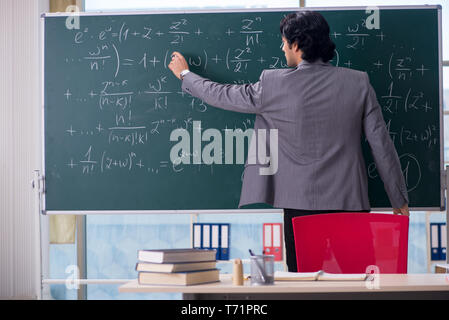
x,y
306,64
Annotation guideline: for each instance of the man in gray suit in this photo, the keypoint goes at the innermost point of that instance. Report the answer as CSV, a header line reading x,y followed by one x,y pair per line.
x,y
320,112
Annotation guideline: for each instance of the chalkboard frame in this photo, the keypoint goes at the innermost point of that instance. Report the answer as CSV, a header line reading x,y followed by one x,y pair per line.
x,y
443,174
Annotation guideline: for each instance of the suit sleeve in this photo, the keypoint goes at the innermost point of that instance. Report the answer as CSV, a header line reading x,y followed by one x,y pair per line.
x,y
246,98
383,150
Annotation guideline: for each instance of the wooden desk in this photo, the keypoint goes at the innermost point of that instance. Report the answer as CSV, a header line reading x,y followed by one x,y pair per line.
x,y
391,286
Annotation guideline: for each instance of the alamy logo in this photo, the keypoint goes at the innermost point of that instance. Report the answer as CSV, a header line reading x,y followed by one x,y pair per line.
x,y
212,152
373,280
373,20
73,20
73,279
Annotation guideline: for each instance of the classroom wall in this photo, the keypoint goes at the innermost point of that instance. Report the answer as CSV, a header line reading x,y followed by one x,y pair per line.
x,y
20,102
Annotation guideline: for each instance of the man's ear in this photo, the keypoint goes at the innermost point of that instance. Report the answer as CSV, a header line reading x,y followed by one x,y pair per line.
x,y
295,46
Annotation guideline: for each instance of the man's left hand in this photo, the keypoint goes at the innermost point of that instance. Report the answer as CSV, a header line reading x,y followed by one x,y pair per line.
x,y
403,211
177,64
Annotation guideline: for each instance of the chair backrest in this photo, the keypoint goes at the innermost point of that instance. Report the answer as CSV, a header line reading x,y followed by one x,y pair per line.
x,y
350,242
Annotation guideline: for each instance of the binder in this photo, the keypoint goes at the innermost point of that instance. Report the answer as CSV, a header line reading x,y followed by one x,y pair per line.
x,y
224,241
272,240
197,236
435,252
205,243
443,240
267,237
212,236
438,241
277,241
215,237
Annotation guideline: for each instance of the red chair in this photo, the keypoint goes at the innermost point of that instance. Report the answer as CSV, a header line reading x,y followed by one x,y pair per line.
x,y
350,242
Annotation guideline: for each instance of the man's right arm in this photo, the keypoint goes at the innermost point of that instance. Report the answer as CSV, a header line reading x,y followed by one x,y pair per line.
x,y
246,98
384,152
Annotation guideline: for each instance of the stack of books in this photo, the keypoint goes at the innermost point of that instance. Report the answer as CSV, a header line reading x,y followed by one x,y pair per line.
x,y
177,266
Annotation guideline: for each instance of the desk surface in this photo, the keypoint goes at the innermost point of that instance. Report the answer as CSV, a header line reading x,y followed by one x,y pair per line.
x,y
387,283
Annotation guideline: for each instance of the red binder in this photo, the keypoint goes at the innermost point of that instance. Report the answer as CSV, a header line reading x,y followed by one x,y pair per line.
x,y
272,240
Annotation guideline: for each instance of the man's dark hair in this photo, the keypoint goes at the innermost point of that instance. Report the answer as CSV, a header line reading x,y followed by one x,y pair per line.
x,y
310,31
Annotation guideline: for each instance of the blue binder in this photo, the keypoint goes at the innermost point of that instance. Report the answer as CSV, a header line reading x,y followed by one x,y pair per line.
x,y
197,235
438,241
443,240
224,241
212,236
205,236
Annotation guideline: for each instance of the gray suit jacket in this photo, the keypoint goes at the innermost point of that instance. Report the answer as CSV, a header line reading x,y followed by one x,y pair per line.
x,y
320,112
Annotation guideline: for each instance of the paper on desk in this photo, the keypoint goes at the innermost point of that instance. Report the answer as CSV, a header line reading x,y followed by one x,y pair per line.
x,y
342,276
295,276
319,275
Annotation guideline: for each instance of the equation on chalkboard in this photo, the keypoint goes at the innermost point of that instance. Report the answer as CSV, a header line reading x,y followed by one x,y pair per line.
x,y
112,104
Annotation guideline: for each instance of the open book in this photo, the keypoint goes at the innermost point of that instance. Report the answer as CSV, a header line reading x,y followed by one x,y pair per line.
x,y
319,275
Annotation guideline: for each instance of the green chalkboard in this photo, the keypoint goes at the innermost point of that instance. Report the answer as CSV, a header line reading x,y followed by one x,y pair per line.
x,y
111,103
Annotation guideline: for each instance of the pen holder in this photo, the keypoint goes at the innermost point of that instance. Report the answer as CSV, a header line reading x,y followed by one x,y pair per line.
x,y
262,270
